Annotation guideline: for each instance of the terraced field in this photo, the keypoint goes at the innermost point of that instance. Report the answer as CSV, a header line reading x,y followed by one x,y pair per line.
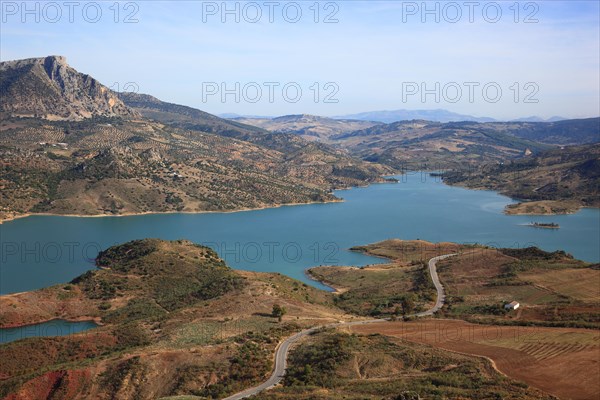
x,y
574,283
548,350
560,361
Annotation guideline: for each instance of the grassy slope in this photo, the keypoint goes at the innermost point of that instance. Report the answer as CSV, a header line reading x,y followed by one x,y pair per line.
x,y
113,167
379,290
335,365
175,307
553,288
166,306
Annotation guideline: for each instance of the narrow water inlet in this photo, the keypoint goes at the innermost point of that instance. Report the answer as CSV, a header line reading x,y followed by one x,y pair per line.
x,y
55,327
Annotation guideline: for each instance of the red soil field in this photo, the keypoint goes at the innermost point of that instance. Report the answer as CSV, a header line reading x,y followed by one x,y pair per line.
x,y
564,362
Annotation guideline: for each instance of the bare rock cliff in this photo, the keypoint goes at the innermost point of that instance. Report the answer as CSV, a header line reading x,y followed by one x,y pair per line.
x,y
49,88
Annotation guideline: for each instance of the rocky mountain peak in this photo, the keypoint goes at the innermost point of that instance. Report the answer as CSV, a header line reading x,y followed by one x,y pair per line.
x,y
56,60
47,87
56,67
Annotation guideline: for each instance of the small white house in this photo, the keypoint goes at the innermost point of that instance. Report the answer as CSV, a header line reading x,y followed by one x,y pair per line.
x,y
513,305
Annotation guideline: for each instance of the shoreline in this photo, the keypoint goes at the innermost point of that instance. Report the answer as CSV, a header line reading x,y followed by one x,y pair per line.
x,y
506,211
579,209
339,290
134,214
96,320
522,202
332,289
335,289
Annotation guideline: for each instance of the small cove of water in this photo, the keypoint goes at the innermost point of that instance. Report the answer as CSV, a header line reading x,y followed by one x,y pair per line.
x,y
56,327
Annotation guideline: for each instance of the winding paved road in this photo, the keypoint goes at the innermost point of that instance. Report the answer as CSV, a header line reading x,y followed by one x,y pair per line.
x,y
283,349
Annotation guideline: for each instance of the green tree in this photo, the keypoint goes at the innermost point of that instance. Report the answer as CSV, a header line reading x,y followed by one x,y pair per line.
x,y
408,304
408,396
278,312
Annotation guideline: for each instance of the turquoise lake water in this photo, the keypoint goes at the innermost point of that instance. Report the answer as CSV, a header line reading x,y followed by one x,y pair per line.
x,y
40,251
57,327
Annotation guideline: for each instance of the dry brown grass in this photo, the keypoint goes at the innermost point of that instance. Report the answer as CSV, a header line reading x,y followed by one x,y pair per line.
x,y
181,347
580,284
551,287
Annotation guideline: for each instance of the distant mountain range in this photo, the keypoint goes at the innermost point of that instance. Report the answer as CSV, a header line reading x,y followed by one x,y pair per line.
x,y
385,116
438,115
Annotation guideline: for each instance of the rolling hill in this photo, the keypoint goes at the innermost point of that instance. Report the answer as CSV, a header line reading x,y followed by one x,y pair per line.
x,y
175,320
429,145
182,116
556,181
113,153
310,127
563,132
460,145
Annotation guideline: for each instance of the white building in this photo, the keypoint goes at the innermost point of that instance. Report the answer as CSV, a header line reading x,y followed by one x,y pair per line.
x,y
513,305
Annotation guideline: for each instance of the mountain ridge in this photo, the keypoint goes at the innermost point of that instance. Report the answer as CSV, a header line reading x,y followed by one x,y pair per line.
x,y
436,115
556,181
434,145
310,127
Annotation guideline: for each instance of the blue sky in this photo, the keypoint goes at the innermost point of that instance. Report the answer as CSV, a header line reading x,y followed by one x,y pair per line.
x,y
378,55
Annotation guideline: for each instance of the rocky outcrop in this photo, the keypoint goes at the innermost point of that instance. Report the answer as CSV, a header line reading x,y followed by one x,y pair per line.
x,y
49,88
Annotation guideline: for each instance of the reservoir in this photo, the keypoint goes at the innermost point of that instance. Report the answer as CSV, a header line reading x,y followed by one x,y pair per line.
x,y
40,251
